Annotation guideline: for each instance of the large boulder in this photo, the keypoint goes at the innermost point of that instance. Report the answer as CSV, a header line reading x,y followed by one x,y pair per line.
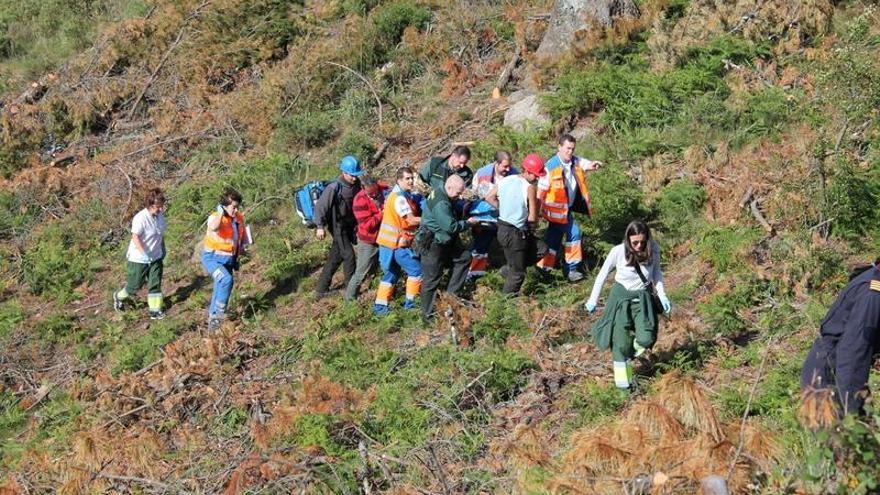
x,y
570,16
525,111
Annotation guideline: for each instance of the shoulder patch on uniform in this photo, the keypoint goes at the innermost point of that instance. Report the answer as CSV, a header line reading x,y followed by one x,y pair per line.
x,y
875,285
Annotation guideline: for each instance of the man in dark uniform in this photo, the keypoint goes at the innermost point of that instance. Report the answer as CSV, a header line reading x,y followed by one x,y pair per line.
x,y
439,168
438,244
843,354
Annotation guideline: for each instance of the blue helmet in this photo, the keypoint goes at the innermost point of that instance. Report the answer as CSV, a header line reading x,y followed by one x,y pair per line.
x,y
351,166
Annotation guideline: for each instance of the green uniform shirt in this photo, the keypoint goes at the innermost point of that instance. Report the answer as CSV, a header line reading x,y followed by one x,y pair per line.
x,y
440,219
437,170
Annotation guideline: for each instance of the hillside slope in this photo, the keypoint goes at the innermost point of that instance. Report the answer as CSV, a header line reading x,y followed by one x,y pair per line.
x,y
745,132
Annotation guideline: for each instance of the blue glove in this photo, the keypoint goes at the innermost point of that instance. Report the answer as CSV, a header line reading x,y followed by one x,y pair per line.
x,y
667,306
590,307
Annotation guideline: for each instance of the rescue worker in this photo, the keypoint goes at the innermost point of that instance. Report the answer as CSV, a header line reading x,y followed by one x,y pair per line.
x,y
225,239
367,207
400,221
842,356
438,169
439,245
563,191
334,211
483,232
145,255
630,321
516,198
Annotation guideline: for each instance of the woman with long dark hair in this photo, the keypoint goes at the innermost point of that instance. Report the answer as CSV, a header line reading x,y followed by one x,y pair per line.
x,y
630,321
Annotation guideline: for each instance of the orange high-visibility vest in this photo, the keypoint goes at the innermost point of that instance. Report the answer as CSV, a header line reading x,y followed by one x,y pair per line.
x,y
225,233
394,232
554,200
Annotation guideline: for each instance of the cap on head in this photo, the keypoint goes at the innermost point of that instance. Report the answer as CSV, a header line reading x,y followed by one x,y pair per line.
x,y
351,166
534,164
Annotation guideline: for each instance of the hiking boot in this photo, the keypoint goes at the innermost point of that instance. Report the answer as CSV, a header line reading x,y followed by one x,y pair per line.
x,y
118,304
410,304
213,323
157,315
380,309
575,276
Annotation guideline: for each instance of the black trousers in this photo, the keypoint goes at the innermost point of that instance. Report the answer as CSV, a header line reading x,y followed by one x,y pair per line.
x,y
435,259
520,250
341,253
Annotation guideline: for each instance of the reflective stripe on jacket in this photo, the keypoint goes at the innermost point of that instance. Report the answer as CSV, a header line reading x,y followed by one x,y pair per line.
x,y
230,244
554,198
394,232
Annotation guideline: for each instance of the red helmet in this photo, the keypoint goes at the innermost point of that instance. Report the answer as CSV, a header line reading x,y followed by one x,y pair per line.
x,y
533,164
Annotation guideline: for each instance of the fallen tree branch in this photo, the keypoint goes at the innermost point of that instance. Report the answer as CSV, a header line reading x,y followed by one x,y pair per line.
x,y
140,96
133,479
377,156
504,78
742,428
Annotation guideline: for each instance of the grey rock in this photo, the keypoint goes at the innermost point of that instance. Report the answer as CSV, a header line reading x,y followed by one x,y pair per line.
x,y
525,113
570,16
713,485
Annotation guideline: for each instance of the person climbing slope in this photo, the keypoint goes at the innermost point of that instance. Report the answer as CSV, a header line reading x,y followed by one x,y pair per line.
x,y
631,318
335,212
146,255
563,191
400,221
224,242
367,208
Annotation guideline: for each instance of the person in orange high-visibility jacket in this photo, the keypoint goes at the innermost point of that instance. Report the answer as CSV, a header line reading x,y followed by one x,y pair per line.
x,y
224,241
400,220
561,192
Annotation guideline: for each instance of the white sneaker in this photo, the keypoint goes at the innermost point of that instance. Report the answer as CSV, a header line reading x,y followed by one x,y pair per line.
x,y
575,276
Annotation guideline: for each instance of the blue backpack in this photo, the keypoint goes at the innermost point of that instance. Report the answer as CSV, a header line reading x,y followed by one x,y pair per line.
x,y
306,197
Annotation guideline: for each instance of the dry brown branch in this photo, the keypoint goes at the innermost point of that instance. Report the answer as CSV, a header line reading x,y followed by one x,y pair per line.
x,y
140,96
504,78
133,479
366,81
742,428
756,212
377,156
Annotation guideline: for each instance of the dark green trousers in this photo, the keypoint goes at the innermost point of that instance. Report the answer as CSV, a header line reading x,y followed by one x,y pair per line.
x,y
138,273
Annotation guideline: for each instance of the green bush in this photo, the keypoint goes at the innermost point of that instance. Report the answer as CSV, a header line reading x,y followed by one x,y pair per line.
x,y
385,27
854,194
679,208
11,314
499,322
724,311
357,143
617,200
310,129
134,353
724,246
55,264
763,114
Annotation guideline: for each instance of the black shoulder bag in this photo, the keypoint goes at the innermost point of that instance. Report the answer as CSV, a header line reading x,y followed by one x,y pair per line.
x,y
652,291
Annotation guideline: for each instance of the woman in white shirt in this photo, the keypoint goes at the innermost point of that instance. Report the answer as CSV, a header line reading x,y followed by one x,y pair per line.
x,y
629,324
146,252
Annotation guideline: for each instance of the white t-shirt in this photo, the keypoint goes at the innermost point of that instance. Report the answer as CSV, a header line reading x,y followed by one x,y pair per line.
x,y
151,230
513,200
626,275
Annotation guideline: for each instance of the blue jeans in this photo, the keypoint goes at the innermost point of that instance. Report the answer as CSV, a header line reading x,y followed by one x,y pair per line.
x,y
219,267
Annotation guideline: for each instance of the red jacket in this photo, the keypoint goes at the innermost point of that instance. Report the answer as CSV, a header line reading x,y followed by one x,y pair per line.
x,y
368,212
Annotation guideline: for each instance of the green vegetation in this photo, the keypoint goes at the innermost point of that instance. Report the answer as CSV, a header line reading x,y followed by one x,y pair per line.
x,y
266,95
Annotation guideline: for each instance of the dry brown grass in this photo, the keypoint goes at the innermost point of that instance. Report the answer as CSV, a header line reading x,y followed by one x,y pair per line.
x,y
818,408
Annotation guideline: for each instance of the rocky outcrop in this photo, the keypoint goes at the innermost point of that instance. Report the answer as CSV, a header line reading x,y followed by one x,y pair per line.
x,y
570,16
